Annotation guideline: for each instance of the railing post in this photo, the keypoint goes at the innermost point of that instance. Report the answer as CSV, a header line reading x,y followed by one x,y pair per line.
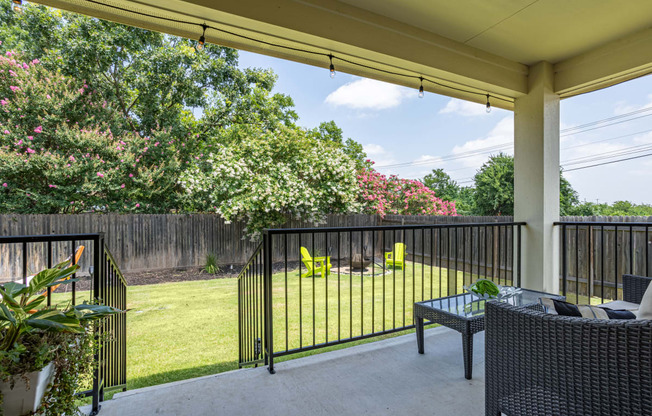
x,y
267,295
564,259
518,255
98,243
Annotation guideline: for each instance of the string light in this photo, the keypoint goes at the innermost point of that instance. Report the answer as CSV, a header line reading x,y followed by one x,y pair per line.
x,y
332,67
305,51
18,6
202,39
421,87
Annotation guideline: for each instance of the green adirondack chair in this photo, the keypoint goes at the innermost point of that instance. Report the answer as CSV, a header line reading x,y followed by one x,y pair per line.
x,y
396,258
314,265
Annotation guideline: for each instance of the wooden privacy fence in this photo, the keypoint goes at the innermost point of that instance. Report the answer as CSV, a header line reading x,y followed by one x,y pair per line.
x,y
595,255
154,242
141,241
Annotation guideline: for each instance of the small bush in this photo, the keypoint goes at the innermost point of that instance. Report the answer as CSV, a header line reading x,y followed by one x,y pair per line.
x,y
211,264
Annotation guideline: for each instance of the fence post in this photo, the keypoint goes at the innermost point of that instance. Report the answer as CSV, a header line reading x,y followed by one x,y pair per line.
x,y
267,295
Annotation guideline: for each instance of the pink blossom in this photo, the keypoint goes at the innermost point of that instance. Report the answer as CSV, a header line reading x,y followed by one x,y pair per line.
x,y
4,184
52,186
30,137
13,88
6,131
30,150
4,102
101,175
122,186
39,129
137,205
131,175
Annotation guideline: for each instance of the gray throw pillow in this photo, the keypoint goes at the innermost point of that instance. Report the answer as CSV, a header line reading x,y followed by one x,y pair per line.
x,y
645,310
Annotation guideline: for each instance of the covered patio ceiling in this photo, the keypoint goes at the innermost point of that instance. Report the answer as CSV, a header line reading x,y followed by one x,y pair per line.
x,y
470,47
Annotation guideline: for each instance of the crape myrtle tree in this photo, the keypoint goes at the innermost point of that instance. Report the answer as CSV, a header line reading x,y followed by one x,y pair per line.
x,y
62,149
272,175
384,195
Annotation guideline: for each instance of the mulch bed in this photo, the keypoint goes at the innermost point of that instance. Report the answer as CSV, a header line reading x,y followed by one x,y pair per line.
x,y
152,277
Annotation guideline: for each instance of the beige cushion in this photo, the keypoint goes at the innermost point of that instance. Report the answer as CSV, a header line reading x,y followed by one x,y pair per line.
x,y
621,305
645,308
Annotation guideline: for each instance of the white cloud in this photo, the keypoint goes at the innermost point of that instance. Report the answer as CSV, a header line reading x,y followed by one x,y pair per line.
x,y
475,152
378,154
623,107
368,94
463,108
373,149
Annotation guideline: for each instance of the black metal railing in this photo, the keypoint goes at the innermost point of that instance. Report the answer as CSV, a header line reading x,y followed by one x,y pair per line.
x,y
305,289
101,281
251,334
595,255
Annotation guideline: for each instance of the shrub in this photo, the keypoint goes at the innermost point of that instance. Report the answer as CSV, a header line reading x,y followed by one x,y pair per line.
x,y
211,264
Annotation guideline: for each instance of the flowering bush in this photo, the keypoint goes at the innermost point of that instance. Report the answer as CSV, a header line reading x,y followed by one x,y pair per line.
x,y
60,155
263,178
382,195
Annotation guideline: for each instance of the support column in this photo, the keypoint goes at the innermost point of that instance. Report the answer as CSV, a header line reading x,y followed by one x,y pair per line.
x,y
536,179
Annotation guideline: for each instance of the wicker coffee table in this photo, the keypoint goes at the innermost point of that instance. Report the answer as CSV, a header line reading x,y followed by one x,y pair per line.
x,y
465,314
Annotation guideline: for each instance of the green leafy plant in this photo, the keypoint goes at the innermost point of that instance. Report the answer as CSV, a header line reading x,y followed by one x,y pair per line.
x,y
211,264
484,287
32,335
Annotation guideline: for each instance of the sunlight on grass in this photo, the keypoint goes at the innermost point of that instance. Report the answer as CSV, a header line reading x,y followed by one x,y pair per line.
x,y
182,330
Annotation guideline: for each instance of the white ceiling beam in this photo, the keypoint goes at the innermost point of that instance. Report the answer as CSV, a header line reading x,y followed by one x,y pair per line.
x,y
607,65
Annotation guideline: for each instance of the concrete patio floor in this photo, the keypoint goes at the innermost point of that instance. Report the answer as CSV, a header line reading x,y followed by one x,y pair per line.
x,y
386,377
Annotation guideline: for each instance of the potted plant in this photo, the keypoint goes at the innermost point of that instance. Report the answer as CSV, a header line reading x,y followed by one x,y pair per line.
x,y
39,343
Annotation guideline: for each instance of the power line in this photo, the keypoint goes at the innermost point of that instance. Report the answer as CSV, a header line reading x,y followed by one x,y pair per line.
x,y
452,156
592,123
501,146
606,125
610,154
609,163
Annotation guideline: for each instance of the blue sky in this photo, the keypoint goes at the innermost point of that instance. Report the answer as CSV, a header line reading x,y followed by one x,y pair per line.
x,y
395,126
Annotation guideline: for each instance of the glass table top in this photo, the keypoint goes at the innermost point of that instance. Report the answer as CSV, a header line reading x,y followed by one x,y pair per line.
x,y
468,305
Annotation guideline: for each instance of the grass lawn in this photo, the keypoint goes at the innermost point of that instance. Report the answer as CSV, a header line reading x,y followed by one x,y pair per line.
x,y
182,330
190,329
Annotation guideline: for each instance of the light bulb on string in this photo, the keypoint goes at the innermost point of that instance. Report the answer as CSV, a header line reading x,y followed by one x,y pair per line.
x,y
488,105
421,87
202,39
18,6
332,67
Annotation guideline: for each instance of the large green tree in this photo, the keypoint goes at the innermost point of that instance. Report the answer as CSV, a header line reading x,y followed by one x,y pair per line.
x,y
329,131
154,80
494,188
440,182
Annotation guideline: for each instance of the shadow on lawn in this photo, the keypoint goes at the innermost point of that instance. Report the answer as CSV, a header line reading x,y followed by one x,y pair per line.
x,y
180,374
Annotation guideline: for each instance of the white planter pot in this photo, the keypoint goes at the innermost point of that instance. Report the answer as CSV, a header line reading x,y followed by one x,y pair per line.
x,y
20,400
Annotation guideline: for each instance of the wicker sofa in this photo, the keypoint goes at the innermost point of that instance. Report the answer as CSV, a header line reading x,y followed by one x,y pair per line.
x,y
542,364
